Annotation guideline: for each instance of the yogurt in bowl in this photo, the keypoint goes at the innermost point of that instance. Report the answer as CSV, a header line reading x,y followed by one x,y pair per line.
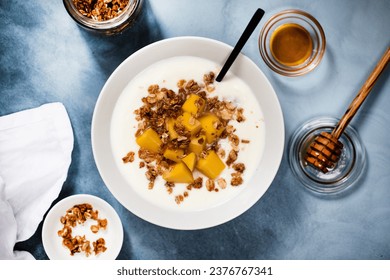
x,y
166,73
164,63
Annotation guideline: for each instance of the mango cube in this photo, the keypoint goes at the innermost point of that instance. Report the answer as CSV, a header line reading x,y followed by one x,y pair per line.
x,y
190,123
194,104
212,127
149,140
197,144
178,173
190,161
174,155
170,125
211,165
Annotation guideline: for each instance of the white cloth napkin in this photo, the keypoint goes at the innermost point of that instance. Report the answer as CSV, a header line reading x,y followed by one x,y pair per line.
x,y
35,154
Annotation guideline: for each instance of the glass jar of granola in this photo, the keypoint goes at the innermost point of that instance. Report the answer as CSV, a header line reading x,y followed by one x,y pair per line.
x,y
104,16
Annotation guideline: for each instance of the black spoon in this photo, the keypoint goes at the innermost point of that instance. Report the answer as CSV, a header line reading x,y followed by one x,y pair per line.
x,y
241,42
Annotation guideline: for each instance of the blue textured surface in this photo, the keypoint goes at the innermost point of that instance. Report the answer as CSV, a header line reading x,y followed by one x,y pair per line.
x,y
46,57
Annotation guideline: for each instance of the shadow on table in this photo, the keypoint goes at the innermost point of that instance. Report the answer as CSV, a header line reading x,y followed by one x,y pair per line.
x,y
110,51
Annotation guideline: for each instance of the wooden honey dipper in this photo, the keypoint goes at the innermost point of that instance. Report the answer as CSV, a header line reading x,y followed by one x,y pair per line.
x,y
325,150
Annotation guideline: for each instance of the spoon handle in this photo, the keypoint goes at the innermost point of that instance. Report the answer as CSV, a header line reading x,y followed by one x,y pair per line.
x,y
362,94
241,42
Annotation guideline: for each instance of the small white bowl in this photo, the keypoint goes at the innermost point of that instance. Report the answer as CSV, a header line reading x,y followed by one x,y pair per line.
x,y
113,234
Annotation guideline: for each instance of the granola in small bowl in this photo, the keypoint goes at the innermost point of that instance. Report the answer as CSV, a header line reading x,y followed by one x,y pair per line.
x,y
82,227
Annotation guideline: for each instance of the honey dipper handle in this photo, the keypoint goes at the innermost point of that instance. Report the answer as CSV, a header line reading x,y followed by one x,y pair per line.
x,y
362,94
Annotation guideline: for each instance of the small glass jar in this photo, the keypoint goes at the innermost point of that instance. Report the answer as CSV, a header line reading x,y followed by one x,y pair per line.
x,y
347,171
117,24
289,26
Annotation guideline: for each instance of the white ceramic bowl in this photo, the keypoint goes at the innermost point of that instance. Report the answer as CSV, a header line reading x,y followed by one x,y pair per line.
x,y
113,234
124,191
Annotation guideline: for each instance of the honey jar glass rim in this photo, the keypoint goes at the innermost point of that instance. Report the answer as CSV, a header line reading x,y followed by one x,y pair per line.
x,y
294,11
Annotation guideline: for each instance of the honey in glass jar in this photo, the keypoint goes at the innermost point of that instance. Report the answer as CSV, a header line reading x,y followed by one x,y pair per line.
x,y
291,44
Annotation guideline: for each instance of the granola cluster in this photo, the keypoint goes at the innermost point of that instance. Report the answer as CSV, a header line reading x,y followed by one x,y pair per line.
x,y
162,104
100,10
78,214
